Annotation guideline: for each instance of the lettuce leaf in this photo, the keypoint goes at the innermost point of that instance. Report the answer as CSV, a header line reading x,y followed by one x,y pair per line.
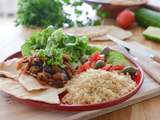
x,y
51,45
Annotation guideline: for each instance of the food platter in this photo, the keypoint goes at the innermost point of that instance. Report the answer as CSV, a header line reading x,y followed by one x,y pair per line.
x,y
82,107
66,73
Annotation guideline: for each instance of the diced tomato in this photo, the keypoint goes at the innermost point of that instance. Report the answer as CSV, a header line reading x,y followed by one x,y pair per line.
x,y
107,67
80,69
87,65
95,57
84,67
137,77
117,67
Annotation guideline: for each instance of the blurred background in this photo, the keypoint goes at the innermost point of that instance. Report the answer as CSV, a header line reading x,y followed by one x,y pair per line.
x,y
8,8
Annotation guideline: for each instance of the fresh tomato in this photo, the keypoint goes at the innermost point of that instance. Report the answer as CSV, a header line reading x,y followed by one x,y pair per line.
x,y
80,69
137,77
117,67
90,63
96,56
84,67
87,65
107,67
125,18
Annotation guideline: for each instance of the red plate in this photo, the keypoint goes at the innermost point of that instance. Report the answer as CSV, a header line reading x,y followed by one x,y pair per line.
x,y
83,107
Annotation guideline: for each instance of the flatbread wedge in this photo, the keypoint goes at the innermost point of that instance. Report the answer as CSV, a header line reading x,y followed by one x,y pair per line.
x,y
14,88
90,31
30,83
6,74
99,32
114,31
10,67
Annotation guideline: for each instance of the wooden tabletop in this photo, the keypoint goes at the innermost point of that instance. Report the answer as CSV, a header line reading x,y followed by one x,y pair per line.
x,y
11,39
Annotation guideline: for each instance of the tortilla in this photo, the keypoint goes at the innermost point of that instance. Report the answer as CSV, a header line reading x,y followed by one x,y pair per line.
x,y
14,88
10,67
30,83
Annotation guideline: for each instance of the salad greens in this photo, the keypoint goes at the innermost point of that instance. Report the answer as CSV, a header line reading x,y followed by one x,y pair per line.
x,y
52,45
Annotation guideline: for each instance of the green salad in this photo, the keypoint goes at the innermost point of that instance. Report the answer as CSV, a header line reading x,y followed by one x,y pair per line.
x,y
52,45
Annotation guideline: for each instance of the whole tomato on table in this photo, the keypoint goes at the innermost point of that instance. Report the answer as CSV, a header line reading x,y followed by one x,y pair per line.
x,y
125,19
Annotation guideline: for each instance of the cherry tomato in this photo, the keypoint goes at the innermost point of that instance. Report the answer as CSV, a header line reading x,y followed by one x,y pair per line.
x,y
117,67
125,18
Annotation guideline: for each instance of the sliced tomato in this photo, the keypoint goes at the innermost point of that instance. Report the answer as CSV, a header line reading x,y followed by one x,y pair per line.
x,y
117,67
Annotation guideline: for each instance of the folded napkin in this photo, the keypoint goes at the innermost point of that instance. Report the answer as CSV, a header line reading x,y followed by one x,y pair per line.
x,y
151,67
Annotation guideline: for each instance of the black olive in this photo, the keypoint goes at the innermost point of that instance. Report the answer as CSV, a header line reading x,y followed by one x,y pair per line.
x,y
35,69
84,59
56,69
132,71
99,64
58,83
105,51
37,62
48,69
65,75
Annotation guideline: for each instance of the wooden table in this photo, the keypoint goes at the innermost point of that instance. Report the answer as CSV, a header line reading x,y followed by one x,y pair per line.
x,y
11,38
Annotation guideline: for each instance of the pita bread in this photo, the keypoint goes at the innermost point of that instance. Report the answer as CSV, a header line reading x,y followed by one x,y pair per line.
x,y
99,32
90,31
7,74
116,32
14,88
10,67
30,83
